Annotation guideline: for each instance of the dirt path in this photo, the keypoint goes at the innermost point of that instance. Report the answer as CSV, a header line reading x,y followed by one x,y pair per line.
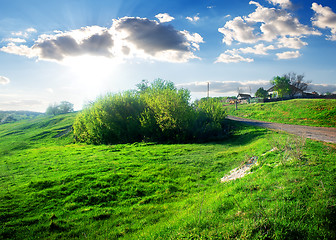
x,y
317,133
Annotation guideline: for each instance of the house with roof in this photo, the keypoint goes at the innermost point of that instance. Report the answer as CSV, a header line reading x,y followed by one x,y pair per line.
x,y
294,92
242,96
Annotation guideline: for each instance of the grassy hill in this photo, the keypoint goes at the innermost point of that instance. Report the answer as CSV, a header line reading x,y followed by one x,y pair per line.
x,y
53,188
309,112
13,116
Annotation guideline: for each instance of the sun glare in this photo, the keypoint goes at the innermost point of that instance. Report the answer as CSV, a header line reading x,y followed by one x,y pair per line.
x,y
91,73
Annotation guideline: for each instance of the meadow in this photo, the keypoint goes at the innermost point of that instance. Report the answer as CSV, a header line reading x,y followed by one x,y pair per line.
x,y
308,112
54,188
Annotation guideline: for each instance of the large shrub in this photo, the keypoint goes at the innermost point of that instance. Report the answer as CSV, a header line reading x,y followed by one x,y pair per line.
x,y
168,113
155,112
113,118
209,120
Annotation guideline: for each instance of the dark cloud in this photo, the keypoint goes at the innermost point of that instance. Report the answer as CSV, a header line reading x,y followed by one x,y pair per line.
x,y
98,44
151,36
65,45
131,37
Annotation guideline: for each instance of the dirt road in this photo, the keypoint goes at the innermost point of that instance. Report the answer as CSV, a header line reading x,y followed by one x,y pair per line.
x,y
317,133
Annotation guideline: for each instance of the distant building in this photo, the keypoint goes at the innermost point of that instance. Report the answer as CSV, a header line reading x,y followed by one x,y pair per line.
x,y
242,96
295,92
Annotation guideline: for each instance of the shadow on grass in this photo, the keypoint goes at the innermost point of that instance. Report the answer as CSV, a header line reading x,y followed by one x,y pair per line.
x,y
241,134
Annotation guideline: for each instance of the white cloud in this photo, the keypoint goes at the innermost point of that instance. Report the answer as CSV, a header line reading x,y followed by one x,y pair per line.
x,y
14,40
164,17
231,57
282,3
31,30
259,49
25,33
294,43
288,55
194,18
264,24
7,104
325,18
21,50
4,80
128,37
239,30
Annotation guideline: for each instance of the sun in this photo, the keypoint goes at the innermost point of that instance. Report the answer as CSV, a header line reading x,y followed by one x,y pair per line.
x,y
90,73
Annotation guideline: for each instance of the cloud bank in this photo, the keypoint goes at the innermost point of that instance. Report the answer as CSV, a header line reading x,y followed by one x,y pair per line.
x,y
274,26
230,88
128,37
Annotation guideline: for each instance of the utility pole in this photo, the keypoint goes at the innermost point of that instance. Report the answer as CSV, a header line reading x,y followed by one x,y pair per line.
x,y
208,92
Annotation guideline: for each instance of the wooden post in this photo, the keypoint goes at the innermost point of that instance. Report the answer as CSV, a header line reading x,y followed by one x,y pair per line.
x,y
236,103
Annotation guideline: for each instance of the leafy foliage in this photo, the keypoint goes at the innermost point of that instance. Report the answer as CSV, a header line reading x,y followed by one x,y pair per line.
x,y
111,119
281,85
61,108
261,93
157,111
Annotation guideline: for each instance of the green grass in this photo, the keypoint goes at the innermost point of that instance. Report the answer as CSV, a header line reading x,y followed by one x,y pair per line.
x,y
51,188
309,112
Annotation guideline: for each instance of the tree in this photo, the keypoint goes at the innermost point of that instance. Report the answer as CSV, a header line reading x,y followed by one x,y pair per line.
x,y
281,85
63,107
297,81
261,93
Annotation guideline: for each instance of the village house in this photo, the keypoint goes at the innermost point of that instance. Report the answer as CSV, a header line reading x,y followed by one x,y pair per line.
x,y
294,92
242,96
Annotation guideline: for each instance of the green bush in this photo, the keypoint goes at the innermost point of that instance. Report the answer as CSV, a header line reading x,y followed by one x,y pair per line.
x,y
113,118
155,112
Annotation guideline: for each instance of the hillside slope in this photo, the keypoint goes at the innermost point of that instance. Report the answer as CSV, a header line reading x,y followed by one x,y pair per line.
x,y
41,130
309,112
53,188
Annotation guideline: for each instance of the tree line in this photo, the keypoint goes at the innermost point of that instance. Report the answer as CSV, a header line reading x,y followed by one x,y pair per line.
x,y
288,85
155,111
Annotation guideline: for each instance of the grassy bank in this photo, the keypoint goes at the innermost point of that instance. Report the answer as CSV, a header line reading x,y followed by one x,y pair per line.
x,y
309,112
52,188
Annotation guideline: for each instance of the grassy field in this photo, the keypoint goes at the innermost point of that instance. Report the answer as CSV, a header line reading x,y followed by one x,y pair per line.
x,y
52,188
309,112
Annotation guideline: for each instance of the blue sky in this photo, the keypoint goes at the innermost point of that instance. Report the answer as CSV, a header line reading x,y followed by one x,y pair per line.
x,y
75,50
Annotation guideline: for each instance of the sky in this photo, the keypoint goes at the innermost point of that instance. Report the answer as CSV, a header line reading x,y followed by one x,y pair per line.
x,y
77,50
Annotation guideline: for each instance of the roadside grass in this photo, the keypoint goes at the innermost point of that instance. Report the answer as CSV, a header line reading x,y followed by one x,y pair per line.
x,y
55,189
309,112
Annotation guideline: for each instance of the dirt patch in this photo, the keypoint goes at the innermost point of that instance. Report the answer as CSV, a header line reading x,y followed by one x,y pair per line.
x,y
241,171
